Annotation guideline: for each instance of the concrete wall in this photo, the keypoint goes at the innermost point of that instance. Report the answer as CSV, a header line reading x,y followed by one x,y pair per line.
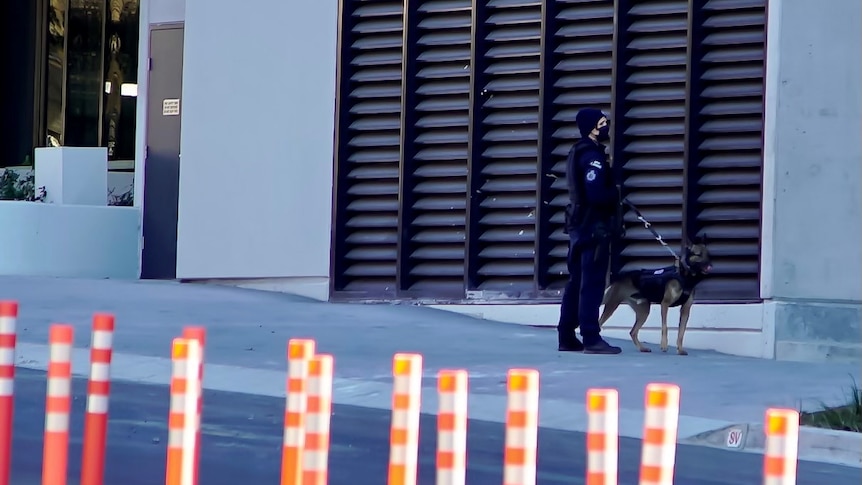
x,y
257,139
813,211
77,241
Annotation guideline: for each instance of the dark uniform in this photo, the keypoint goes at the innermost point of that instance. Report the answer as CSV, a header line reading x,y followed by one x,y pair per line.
x,y
591,223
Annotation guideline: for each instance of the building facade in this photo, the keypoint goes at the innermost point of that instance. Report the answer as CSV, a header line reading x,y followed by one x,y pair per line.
x,y
455,119
77,66
414,150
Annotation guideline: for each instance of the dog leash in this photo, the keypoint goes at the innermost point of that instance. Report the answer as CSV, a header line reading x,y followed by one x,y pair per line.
x,y
647,224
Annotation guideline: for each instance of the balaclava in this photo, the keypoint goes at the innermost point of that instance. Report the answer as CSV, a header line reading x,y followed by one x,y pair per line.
x,y
587,120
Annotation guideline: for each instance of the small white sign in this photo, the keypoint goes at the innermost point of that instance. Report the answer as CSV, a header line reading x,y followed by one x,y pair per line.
x,y
734,438
171,107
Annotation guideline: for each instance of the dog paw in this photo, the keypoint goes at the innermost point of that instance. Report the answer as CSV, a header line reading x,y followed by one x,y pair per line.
x,y
681,352
645,349
664,349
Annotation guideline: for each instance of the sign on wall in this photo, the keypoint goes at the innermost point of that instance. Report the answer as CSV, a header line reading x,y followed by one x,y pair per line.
x,y
171,107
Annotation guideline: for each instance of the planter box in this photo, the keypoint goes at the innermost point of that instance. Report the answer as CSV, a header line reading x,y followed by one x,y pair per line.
x,y
76,241
73,175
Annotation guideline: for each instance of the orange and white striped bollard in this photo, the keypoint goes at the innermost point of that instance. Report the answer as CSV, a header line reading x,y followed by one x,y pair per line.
x,y
182,421
660,429
179,358
319,412
58,403
452,386
199,334
8,339
602,436
404,429
782,447
98,392
522,427
191,417
299,354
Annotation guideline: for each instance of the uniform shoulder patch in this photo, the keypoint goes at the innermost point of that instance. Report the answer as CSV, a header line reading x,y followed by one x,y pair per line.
x,y
596,163
591,175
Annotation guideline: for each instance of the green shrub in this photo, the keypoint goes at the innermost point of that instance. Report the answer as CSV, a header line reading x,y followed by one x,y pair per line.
x,y
847,417
15,187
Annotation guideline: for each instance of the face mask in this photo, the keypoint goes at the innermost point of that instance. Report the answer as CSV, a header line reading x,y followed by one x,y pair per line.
x,y
604,133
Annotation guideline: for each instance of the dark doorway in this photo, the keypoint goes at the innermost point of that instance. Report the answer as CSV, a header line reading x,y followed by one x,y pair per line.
x,y
162,165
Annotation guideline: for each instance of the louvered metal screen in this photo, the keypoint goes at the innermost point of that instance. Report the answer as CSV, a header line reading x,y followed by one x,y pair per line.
x,y
436,107
579,74
455,118
649,124
725,155
368,149
504,149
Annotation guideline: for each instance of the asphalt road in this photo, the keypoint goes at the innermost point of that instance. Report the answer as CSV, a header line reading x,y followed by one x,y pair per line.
x,y
242,444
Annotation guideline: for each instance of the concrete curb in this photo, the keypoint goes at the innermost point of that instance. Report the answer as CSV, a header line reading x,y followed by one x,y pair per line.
x,y
815,444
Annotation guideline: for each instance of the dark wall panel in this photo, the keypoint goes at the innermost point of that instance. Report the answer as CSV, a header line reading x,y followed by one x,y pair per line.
x,y
365,230
504,161
649,125
578,74
20,25
726,142
436,105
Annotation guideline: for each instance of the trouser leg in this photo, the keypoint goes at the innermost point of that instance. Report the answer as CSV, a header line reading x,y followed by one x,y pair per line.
x,y
594,264
571,294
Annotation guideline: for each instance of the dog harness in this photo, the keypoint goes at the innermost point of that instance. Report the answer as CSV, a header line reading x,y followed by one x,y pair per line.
x,y
651,284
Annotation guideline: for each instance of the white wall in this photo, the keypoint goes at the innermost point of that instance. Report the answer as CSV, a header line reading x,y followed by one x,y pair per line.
x,y
164,11
812,210
814,153
257,139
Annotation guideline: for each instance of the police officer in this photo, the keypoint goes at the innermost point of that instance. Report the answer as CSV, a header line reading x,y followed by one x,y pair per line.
x,y
591,221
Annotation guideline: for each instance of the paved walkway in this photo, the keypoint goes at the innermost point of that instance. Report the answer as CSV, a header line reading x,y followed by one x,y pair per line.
x,y
248,331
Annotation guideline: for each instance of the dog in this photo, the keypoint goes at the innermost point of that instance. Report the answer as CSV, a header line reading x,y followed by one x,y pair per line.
x,y
669,286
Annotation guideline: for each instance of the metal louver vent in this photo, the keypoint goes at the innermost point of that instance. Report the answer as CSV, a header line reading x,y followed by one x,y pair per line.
x,y
650,125
727,142
436,120
504,165
366,236
455,119
579,73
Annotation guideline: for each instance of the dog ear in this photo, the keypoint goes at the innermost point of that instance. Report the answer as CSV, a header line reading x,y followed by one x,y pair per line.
x,y
700,239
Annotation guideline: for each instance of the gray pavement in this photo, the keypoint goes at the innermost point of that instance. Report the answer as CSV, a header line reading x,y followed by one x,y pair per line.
x,y
242,438
248,331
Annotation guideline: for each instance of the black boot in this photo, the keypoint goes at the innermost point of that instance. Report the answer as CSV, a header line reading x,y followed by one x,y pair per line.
x,y
601,347
569,343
